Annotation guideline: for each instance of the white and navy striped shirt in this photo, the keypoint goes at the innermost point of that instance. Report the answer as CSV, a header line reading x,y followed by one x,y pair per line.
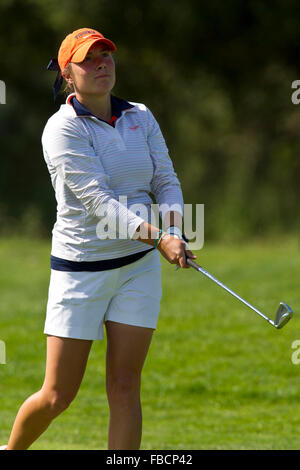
x,y
92,163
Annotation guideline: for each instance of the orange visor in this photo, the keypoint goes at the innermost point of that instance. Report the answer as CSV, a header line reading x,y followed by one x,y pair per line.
x,y
76,45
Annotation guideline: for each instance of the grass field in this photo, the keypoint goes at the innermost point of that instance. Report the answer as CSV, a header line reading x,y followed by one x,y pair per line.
x,y
217,375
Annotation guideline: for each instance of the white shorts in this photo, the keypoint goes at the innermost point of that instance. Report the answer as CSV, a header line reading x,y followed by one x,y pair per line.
x,y
80,302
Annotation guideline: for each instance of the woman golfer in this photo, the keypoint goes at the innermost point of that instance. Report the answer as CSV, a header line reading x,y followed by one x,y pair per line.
x,y
104,155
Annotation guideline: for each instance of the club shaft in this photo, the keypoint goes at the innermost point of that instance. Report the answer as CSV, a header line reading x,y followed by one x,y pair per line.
x,y
212,278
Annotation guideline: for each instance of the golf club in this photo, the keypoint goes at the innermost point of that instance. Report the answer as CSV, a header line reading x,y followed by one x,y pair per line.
x,y
284,312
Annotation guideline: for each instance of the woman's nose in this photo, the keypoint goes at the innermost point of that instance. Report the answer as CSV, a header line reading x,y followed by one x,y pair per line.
x,y
99,63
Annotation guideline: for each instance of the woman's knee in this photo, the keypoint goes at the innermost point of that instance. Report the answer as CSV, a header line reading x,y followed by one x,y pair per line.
x,y
55,401
123,386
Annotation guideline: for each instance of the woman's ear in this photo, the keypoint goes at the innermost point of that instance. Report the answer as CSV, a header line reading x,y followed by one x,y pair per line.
x,y
67,75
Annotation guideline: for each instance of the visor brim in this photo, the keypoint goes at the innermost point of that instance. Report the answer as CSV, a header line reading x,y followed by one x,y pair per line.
x,y
81,53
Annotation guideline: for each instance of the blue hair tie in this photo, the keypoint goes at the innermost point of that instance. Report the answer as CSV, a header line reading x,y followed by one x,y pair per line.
x,y
54,66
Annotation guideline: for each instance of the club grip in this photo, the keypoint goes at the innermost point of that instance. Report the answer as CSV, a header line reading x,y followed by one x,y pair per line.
x,y
192,263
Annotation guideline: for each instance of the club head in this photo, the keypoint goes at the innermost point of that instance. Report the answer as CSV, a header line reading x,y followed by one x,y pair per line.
x,y
283,315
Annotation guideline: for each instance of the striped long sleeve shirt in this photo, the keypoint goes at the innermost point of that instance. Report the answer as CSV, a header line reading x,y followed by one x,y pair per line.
x,y
102,173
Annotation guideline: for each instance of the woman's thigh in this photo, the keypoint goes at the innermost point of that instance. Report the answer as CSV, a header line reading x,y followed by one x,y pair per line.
x,y
65,365
127,348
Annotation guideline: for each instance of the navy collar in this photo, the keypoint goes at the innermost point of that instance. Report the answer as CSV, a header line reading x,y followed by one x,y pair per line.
x,y
118,105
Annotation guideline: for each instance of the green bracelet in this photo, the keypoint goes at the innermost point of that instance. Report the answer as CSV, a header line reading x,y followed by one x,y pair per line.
x,y
160,238
157,239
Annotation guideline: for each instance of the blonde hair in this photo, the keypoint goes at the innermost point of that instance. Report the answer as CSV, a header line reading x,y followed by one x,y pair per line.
x,y
68,87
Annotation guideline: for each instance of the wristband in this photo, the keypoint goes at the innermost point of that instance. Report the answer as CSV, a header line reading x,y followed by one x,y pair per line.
x,y
177,233
174,231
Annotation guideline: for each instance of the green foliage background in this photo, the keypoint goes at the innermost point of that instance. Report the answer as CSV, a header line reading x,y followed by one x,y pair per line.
x,y
217,76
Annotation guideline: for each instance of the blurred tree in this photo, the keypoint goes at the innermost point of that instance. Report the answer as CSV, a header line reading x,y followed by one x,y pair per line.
x,y
216,75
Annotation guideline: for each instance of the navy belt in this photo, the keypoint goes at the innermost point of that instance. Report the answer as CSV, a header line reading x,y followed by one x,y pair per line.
x,y
59,264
